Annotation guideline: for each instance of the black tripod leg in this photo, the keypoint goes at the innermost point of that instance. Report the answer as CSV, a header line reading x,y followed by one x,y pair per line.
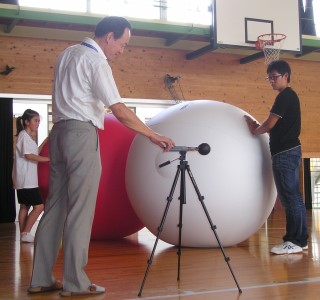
x,y
213,227
182,199
160,228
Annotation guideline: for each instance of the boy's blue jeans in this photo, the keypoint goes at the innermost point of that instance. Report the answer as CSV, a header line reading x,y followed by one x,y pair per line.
x,y
285,167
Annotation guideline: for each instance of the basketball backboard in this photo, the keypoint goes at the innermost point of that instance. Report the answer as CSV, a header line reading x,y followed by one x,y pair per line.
x,y
238,23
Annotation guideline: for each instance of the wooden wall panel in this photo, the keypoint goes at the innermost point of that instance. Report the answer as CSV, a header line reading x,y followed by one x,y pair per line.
x,y
140,72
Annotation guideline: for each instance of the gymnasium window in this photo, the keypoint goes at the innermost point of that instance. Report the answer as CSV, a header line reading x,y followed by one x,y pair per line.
x,y
316,13
184,11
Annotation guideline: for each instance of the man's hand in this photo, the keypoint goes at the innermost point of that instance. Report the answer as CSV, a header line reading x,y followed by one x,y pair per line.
x,y
162,141
252,124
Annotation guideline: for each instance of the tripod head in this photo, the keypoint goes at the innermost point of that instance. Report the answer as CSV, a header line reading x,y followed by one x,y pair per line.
x,y
203,149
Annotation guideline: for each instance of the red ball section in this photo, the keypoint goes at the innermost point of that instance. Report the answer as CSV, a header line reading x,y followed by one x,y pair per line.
x,y
114,217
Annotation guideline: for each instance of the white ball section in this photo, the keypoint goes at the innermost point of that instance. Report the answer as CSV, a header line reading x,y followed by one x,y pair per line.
x,y
235,178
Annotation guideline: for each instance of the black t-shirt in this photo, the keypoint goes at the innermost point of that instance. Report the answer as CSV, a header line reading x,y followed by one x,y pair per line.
x,y
285,134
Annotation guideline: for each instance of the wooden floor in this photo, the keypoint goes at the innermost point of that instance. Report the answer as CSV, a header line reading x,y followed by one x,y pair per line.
x,y
204,274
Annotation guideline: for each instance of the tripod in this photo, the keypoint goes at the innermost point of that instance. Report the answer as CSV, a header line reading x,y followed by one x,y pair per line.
x,y
181,170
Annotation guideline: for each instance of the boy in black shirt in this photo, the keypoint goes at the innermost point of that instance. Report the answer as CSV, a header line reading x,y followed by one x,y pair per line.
x,y
284,124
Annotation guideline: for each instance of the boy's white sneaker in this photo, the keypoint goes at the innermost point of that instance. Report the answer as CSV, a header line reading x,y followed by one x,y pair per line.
x,y
286,248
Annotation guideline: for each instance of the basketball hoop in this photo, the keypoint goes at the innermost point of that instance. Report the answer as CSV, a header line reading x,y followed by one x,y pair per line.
x,y
271,45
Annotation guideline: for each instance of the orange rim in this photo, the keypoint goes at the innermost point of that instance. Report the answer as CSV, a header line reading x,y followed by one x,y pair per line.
x,y
263,39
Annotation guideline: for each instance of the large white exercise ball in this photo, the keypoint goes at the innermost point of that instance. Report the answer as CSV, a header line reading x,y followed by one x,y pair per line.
x,y
235,177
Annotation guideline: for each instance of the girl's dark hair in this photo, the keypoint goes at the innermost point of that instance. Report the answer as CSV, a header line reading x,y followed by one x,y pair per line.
x,y
117,25
27,116
280,66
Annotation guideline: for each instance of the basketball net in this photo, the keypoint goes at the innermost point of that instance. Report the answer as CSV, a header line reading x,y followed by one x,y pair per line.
x,y
271,45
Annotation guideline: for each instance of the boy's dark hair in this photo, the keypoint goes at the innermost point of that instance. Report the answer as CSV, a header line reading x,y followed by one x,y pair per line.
x,y
280,66
117,25
27,116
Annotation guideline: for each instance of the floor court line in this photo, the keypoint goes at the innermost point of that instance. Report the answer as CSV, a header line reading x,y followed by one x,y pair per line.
x,y
191,293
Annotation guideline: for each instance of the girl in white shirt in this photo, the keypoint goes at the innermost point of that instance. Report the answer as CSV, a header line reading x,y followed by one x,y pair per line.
x,y
25,173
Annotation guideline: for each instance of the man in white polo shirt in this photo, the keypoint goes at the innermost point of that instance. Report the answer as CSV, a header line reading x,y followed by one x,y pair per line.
x,y
83,86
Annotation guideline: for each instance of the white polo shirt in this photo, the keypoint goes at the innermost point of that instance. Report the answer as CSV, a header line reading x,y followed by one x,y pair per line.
x,y
25,172
83,84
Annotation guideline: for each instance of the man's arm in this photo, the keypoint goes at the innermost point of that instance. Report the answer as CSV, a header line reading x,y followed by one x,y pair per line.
x,y
265,126
128,118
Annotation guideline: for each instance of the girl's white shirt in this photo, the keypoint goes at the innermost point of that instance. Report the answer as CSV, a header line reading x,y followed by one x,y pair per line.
x,y
25,171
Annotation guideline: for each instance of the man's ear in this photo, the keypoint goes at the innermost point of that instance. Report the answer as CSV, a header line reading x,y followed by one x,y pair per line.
x,y
108,37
